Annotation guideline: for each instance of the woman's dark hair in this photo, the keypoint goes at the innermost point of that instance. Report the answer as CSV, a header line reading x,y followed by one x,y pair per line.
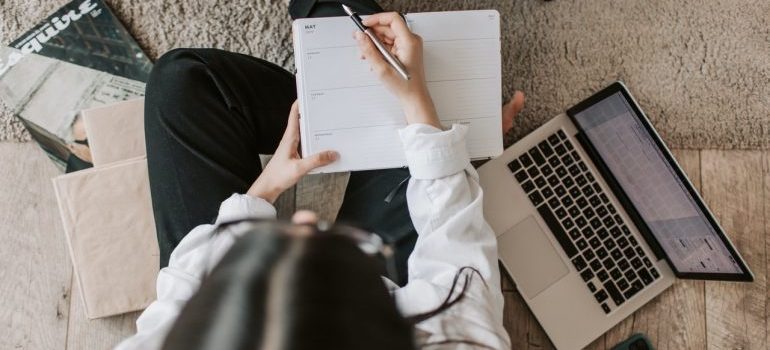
x,y
274,290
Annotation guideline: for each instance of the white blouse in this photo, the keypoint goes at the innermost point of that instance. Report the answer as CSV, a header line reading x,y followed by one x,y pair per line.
x,y
445,204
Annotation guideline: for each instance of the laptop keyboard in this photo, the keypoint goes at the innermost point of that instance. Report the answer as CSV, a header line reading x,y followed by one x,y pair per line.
x,y
584,222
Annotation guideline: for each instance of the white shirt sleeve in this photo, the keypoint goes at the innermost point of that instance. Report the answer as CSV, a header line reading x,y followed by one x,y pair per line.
x,y
445,204
197,253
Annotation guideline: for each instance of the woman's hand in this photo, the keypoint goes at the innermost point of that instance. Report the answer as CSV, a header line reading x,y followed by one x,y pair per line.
x,y
286,167
413,94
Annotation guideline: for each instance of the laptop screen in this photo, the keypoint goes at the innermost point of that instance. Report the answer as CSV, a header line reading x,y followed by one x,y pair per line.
x,y
652,185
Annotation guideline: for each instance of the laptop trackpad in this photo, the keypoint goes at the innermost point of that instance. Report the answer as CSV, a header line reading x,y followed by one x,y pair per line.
x,y
530,257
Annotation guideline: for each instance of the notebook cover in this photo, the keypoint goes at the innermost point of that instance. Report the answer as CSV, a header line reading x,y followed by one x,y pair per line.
x,y
110,230
115,132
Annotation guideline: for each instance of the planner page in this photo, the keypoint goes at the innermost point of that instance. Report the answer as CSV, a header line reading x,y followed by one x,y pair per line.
x,y
345,108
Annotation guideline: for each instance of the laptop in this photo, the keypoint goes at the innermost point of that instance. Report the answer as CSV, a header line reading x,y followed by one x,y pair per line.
x,y
594,218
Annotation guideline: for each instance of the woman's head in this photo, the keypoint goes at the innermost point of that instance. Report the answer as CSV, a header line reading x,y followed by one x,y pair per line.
x,y
277,289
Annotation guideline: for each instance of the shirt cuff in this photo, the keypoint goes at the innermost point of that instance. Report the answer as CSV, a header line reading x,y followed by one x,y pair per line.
x,y
432,153
242,206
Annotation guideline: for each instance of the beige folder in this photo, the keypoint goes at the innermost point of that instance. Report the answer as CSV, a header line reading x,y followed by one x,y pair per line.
x,y
107,215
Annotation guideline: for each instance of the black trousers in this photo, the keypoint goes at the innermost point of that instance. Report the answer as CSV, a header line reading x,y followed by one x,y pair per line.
x,y
208,115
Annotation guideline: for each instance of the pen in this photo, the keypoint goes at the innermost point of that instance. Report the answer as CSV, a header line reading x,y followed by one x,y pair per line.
x,y
384,51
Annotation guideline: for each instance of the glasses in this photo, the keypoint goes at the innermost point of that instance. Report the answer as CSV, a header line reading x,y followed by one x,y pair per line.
x,y
369,243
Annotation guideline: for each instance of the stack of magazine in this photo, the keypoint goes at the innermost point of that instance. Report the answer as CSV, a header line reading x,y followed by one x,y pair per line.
x,y
78,76
78,58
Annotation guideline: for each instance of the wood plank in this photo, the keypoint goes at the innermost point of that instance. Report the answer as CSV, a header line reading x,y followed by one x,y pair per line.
x,y
103,333
322,193
676,318
35,268
733,187
515,319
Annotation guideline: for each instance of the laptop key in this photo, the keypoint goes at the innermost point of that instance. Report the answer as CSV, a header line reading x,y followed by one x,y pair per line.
x,y
581,244
554,161
584,168
574,211
603,275
561,134
609,243
591,286
616,254
608,263
636,263
554,202
602,233
587,191
605,200
574,192
581,222
537,156
616,274
622,284
596,265
568,144
601,211
587,275
601,253
608,221
654,273
574,233
647,262
589,213
588,254
588,232
525,160
568,224
568,182
645,276
623,265
547,192
609,286
601,296
553,180
582,202
521,176
594,242
615,231
533,171
527,186
596,223
633,241
630,275
515,166
553,140
567,201
639,251
579,263
545,148
574,170
540,182
629,252
606,308
618,219
623,242
561,213
561,171
567,159
536,198
560,191
595,201
625,230
581,180
557,231
546,170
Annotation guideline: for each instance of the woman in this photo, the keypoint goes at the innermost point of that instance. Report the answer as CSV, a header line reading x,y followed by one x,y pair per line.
x,y
262,284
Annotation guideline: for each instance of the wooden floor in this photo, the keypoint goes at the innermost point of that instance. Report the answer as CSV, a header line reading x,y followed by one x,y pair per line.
x,y
42,310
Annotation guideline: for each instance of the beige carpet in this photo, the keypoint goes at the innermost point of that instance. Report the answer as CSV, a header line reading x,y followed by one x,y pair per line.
x,y
701,69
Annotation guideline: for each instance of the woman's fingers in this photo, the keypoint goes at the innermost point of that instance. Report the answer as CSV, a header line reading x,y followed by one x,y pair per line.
x,y
317,160
391,19
371,54
511,109
290,138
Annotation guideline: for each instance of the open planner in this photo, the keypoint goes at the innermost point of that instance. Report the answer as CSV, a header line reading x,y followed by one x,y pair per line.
x,y
344,107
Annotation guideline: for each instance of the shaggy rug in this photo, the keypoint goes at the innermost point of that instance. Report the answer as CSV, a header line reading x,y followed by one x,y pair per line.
x,y
701,70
